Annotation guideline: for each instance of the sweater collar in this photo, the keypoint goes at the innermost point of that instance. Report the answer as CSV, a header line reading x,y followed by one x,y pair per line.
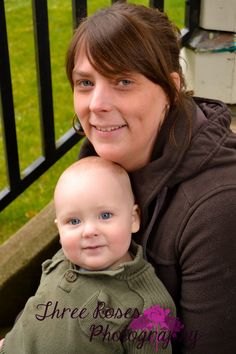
x,y
124,270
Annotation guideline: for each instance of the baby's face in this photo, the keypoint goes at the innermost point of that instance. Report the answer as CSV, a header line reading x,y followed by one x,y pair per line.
x,y
95,216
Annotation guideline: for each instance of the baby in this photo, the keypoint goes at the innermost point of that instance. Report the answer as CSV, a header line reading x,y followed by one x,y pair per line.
x,y
98,283
96,214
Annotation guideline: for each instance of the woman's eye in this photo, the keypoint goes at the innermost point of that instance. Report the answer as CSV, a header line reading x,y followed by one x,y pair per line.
x,y
106,215
74,221
85,83
124,82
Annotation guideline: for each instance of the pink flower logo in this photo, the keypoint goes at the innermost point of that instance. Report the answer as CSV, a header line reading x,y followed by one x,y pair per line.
x,y
158,319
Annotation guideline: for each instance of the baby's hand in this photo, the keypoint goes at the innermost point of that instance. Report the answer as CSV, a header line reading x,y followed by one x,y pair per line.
x,y
1,342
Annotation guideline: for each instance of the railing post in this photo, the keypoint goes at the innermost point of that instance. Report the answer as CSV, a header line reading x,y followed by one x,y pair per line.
x,y
192,13
79,11
40,17
192,16
159,4
7,106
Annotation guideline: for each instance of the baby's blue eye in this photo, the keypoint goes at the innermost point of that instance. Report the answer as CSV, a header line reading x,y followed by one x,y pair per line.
x,y
74,221
106,215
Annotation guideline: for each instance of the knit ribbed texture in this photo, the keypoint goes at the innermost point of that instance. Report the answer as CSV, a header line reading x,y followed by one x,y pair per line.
x,y
111,299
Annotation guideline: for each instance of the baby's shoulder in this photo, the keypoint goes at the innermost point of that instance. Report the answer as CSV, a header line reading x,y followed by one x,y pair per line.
x,y
58,259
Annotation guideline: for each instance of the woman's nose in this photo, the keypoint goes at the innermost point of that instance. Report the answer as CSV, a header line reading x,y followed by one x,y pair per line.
x,y
100,100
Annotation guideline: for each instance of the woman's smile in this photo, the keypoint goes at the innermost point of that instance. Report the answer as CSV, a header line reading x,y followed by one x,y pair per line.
x,y
120,116
108,129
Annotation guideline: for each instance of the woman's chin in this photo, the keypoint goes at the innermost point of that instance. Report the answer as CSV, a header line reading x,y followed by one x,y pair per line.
x,y
109,153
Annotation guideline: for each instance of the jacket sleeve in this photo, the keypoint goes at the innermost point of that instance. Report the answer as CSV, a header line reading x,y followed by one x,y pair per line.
x,y
28,331
207,249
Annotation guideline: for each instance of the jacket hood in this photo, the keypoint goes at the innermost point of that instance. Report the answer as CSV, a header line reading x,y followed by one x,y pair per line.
x,y
174,163
211,138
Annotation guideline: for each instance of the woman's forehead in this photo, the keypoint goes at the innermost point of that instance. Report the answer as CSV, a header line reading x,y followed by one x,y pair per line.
x,y
84,65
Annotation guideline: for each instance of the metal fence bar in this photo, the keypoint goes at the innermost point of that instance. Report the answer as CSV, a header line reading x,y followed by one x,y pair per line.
x,y
192,15
159,4
7,107
42,47
79,11
52,150
37,168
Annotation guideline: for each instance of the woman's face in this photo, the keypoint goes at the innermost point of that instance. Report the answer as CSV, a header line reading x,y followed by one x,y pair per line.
x,y
120,116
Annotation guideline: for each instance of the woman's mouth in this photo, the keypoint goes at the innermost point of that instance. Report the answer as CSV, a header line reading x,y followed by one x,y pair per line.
x,y
109,129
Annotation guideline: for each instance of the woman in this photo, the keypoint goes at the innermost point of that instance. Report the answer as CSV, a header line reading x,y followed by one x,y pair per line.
x,y
130,98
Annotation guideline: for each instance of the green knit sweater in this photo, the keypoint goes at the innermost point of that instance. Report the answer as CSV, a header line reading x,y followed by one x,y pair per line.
x,y
89,312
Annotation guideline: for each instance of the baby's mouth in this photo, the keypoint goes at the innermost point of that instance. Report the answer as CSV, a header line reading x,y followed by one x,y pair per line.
x,y
93,247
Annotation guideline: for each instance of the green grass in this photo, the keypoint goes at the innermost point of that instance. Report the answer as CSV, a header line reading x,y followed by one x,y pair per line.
x,y
24,81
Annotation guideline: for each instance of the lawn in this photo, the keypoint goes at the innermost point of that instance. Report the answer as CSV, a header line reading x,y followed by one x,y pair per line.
x,y
21,48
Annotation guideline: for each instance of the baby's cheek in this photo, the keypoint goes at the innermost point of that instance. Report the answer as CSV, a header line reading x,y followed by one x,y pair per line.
x,y
69,245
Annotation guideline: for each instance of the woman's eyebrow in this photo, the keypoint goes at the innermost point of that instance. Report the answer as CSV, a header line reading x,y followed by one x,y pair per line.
x,y
81,73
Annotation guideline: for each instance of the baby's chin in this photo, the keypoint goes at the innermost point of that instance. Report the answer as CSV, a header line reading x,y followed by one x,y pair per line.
x,y
95,267
99,266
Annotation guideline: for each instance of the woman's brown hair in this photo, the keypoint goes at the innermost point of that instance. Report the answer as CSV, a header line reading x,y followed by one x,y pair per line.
x,y
126,38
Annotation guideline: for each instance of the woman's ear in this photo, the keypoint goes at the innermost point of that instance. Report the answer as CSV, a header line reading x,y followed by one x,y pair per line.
x,y
176,79
135,218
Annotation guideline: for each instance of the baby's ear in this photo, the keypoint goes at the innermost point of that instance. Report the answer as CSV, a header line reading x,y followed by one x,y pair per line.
x,y
135,218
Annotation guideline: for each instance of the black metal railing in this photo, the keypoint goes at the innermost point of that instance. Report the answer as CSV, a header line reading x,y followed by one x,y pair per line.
x,y
51,150
192,17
